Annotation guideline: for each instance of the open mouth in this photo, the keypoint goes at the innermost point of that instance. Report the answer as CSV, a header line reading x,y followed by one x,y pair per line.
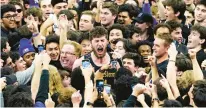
x,y
100,50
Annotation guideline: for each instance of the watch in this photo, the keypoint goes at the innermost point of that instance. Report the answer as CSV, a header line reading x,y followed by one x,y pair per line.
x,y
89,103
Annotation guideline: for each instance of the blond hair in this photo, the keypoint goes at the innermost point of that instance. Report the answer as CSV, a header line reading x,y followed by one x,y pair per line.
x,y
186,80
76,45
55,82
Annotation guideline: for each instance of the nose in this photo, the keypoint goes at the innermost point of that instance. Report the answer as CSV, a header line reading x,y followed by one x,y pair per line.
x,y
153,47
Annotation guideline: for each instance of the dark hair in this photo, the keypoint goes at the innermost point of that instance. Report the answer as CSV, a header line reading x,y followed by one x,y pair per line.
x,y
68,13
132,12
4,56
139,44
14,56
200,97
6,71
134,56
20,99
201,2
163,25
183,63
100,103
4,40
125,31
126,44
77,79
132,30
161,91
52,38
17,2
201,30
73,35
199,84
111,6
172,103
98,32
6,8
35,12
177,6
174,25
93,5
84,36
123,88
122,71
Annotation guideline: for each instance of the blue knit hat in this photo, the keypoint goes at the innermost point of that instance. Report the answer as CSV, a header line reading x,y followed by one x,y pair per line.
x,y
25,47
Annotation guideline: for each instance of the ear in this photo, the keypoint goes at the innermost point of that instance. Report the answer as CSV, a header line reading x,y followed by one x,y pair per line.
x,y
202,41
177,14
114,17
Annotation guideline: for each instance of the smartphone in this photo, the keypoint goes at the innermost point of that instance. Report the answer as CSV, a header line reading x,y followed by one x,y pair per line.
x,y
40,48
85,63
107,87
100,86
114,64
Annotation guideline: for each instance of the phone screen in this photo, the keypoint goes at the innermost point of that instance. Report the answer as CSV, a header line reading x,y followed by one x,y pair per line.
x,y
40,48
85,63
107,88
114,64
100,85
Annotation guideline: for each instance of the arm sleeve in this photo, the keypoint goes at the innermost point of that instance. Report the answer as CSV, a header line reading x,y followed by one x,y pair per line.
x,y
2,100
23,77
42,94
146,8
130,102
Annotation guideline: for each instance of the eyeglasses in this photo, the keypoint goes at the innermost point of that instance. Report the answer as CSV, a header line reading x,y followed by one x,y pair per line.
x,y
10,16
19,10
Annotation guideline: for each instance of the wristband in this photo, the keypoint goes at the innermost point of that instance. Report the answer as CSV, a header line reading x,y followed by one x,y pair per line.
x,y
172,60
35,34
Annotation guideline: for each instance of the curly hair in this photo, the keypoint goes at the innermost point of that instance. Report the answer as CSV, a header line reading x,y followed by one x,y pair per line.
x,y
35,12
98,32
124,29
65,95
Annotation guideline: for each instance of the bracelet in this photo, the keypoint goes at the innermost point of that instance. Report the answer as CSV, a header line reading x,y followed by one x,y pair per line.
x,y
155,99
35,34
172,60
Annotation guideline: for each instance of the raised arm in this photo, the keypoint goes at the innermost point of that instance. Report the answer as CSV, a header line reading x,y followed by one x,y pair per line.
x,y
161,10
197,72
63,29
154,69
36,77
171,70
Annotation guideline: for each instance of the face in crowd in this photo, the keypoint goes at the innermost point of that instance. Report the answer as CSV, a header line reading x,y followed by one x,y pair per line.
x,y
53,50
99,46
19,12
86,47
29,58
114,34
59,6
85,23
123,18
145,51
67,56
106,17
8,20
46,8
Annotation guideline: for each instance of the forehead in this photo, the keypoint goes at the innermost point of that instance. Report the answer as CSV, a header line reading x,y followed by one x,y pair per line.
x,y
45,2
128,60
52,44
9,13
100,38
195,31
124,13
85,41
201,6
159,41
178,29
86,17
162,30
144,47
115,30
17,6
169,7
60,4
105,10
68,47
119,43
29,53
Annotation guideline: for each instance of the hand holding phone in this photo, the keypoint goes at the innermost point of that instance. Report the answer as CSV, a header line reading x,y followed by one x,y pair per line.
x,y
40,48
100,86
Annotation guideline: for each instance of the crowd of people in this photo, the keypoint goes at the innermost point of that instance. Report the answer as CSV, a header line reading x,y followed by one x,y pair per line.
x,y
103,53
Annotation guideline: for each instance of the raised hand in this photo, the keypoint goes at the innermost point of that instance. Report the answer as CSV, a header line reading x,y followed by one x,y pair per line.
x,y
49,103
164,82
76,98
192,53
138,89
172,51
46,58
3,83
152,60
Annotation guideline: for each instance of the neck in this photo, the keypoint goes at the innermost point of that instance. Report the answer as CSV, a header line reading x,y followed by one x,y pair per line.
x,y
100,61
198,48
108,25
162,58
144,35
